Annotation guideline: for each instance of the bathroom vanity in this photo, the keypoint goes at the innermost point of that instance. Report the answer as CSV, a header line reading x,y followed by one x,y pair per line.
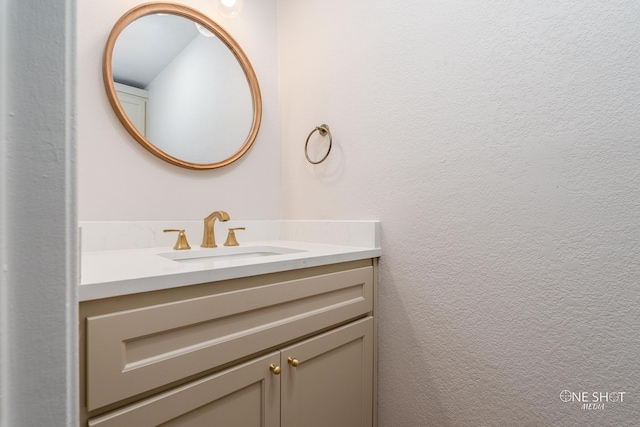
x,y
279,331
286,339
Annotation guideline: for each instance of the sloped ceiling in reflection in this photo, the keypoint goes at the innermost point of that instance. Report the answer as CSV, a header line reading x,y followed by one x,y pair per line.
x,y
153,40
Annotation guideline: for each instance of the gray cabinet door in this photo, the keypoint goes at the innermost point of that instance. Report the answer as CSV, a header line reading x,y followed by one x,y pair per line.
x,y
246,395
329,381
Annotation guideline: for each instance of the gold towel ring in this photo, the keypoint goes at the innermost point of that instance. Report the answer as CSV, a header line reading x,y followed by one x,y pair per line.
x,y
322,130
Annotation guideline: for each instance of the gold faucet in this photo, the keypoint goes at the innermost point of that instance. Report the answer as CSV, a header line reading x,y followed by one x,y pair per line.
x,y
182,243
208,237
231,237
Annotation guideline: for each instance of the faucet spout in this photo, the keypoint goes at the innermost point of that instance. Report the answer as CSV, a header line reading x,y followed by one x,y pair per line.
x,y
208,236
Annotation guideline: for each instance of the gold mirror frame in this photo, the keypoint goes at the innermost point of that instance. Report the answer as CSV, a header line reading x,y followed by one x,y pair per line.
x,y
192,14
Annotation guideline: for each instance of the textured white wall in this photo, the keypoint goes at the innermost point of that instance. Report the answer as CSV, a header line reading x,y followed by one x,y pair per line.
x,y
38,247
120,180
498,142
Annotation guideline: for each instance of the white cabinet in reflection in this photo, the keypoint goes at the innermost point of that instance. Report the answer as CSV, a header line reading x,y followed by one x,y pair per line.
x,y
134,102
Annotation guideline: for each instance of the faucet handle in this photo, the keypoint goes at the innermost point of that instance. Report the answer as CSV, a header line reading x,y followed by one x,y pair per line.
x,y
231,237
181,243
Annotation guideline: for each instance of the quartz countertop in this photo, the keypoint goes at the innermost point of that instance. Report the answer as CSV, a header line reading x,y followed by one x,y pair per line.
x,y
112,273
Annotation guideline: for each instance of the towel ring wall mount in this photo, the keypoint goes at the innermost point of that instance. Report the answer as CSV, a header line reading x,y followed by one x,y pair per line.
x,y
323,130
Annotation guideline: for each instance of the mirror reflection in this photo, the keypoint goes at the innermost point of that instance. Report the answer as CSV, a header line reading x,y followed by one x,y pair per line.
x,y
182,86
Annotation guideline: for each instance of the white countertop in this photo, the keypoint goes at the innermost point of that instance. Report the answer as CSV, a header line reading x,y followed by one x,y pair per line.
x,y
120,272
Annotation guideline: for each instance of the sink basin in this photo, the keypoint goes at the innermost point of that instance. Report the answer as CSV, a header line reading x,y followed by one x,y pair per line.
x,y
226,253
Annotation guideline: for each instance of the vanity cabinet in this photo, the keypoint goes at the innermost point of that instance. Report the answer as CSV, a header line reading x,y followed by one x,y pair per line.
x,y
295,348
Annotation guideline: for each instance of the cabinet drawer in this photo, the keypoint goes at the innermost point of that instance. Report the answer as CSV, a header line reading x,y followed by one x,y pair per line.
x,y
130,352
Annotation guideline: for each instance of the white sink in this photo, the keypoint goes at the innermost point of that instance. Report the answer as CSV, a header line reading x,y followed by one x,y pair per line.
x,y
226,253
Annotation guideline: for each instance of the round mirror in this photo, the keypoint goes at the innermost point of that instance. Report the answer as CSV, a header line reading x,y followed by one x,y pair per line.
x,y
182,86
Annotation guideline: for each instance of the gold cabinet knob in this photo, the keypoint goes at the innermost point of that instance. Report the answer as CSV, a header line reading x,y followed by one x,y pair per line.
x,y
275,369
293,362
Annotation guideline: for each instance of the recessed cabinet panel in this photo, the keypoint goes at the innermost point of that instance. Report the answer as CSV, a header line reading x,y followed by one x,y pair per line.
x,y
133,351
247,395
329,379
